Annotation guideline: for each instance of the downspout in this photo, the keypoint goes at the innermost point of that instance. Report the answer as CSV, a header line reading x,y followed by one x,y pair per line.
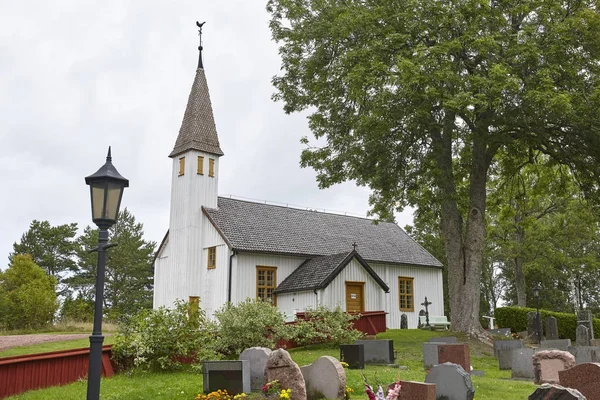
x,y
317,298
233,253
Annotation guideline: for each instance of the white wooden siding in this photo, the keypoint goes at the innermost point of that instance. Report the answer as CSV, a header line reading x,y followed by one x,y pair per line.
x,y
293,302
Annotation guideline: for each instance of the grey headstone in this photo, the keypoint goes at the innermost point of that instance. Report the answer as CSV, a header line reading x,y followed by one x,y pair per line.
x,y
522,363
532,324
585,354
378,351
551,328
583,336
325,379
559,344
504,357
506,345
443,339
233,376
452,381
584,317
404,321
257,359
555,392
430,354
500,332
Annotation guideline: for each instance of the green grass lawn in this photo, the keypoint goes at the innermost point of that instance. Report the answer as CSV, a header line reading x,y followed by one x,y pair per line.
x,y
51,346
496,385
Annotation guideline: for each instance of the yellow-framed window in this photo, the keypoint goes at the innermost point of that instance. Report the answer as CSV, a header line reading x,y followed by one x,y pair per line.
x,y
266,282
181,166
406,293
200,165
212,257
211,167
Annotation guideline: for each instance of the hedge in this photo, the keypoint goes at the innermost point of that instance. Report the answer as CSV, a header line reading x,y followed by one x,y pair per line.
x,y
515,318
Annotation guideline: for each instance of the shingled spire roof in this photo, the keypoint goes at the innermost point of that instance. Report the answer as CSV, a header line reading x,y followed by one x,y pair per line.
x,y
198,130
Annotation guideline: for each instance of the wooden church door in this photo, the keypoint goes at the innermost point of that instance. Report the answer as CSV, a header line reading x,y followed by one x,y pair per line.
x,y
355,297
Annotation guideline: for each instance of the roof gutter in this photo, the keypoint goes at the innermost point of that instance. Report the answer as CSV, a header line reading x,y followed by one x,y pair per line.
x,y
233,253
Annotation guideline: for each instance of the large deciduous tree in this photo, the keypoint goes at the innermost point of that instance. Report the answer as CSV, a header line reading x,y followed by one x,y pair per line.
x,y
411,95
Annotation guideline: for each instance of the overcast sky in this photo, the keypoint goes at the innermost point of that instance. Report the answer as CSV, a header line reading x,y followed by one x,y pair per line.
x,y
77,76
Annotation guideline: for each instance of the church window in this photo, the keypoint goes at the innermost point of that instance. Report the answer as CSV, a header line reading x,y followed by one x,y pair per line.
x,y
211,167
266,282
200,165
406,294
212,257
181,166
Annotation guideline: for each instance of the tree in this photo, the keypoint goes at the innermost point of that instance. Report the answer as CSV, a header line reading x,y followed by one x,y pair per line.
x,y
51,247
412,95
27,295
129,269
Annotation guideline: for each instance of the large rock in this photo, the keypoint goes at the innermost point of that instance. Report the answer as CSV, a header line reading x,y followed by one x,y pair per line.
x,y
325,379
452,381
555,392
282,368
257,358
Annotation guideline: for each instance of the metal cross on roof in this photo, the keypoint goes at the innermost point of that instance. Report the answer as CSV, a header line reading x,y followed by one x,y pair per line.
x,y
426,304
354,246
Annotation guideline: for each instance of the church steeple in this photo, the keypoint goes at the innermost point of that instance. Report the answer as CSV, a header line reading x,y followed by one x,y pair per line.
x,y
198,130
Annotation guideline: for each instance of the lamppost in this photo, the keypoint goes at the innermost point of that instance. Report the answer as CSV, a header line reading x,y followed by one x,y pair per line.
x,y
106,190
538,317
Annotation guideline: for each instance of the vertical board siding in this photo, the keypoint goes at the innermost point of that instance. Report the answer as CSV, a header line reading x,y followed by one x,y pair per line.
x,y
293,302
427,282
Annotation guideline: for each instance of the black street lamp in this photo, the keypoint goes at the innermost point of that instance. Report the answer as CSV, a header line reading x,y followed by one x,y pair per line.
x,y
106,189
536,296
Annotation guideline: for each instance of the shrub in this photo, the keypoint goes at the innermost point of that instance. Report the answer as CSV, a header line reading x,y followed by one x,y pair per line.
x,y
322,325
77,309
162,339
250,323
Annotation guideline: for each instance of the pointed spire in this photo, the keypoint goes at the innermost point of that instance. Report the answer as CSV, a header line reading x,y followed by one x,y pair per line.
x,y
198,130
108,156
200,25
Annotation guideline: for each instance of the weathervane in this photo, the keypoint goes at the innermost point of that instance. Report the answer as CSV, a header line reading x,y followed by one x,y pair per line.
x,y
200,25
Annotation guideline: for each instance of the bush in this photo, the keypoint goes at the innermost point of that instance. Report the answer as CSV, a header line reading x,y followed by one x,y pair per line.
x,y
163,339
249,323
515,318
77,310
322,325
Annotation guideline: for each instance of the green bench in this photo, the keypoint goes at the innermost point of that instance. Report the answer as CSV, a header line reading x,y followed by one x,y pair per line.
x,y
435,322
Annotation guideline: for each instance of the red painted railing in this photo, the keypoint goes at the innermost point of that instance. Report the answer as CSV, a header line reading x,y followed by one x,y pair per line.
x,y
35,371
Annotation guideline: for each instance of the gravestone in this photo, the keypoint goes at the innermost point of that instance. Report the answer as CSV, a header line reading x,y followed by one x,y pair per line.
x,y
547,364
500,332
595,342
430,354
353,355
443,339
280,367
559,344
585,354
583,336
506,345
522,363
377,351
410,390
551,328
584,317
452,381
555,392
324,379
583,377
457,353
257,359
404,321
504,359
532,325
421,314
233,376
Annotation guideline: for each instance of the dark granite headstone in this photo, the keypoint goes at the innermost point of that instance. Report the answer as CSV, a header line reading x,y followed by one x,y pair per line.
x,y
551,328
233,376
555,392
377,351
532,326
404,321
353,355
584,317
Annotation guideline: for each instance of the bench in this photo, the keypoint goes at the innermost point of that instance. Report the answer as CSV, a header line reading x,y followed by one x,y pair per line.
x,y
435,322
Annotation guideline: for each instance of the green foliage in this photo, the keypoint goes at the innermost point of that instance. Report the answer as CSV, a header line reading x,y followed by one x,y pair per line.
x,y
77,309
250,323
27,295
322,325
161,339
515,318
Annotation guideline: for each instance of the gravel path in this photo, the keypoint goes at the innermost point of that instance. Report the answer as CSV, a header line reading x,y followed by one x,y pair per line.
x,y
7,342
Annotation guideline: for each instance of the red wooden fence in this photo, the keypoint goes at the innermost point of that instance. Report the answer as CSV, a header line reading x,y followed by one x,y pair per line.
x,y
35,371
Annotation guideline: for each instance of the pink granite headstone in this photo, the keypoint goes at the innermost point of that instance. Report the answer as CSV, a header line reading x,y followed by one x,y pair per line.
x,y
547,364
410,390
456,353
583,377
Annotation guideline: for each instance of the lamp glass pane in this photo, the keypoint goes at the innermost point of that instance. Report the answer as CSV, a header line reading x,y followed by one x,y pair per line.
x,y
112,200
97,200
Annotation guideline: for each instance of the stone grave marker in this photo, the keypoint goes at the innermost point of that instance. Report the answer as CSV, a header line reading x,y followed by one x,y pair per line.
x,y
282,368
457,353
583,377
547,364
585,354
411,390
452,381
522,363
506,345
233,376
559,344
404,321
555,392
500,332
504,359
430,354
584,317
257,359
377,351
532,325
443,339
551,328
353,355
595,342
583,336
324,379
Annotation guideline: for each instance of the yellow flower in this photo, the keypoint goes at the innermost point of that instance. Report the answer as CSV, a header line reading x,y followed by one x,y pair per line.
x,y
344,364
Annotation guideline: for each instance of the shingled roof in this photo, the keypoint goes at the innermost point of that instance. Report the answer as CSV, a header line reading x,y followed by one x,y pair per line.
x,y
198,130
265,228
318,272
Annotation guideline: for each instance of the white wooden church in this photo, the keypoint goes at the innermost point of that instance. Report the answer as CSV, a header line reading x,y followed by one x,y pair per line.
x,y
221,249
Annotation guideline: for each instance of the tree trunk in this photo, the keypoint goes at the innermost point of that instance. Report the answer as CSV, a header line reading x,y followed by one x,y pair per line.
x,y
520,283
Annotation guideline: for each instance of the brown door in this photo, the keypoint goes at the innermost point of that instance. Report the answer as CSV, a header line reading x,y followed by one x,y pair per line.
x,y
354,297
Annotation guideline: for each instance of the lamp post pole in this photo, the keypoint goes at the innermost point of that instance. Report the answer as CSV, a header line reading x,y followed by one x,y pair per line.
x,y
538,316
